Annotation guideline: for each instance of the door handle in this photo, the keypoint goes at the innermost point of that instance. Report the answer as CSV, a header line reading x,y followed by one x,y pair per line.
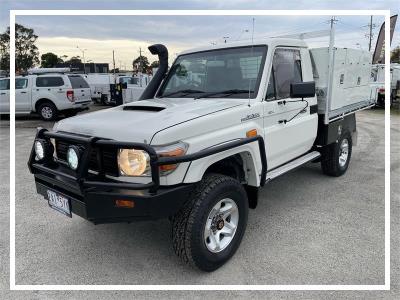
x,y
2,93
23,92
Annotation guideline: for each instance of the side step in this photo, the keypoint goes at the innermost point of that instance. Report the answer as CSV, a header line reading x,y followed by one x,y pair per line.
x,y
292,165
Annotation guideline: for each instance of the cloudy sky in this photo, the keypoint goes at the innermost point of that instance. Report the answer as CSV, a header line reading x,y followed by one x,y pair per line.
x,y
126,34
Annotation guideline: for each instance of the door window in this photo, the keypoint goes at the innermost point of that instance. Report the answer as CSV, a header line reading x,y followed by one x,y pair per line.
x,y
5,84
21,83
286,69
49,81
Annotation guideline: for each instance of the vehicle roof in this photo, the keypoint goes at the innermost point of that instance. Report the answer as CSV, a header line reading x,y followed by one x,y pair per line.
x,y
52,74
45,74
270,42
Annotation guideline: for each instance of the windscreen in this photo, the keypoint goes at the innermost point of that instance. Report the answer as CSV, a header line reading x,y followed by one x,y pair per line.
x,y
230,72
77,82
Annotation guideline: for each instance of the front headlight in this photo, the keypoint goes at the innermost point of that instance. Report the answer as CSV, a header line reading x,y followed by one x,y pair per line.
x,y
132,162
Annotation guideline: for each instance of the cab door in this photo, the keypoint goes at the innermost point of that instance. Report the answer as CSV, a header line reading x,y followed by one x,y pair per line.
x,y
22,96
289,127
5,96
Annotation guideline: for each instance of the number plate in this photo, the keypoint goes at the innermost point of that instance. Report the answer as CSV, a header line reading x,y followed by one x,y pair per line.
x,y
59,203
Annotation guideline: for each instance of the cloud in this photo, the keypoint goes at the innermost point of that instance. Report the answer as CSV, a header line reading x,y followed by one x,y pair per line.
x,y
125,34
101,50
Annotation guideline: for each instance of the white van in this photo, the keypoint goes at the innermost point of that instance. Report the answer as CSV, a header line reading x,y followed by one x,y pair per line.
x,y
48,94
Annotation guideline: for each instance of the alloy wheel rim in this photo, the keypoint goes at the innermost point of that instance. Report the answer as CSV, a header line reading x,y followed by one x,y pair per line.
x,y
47,112
221,225
343,152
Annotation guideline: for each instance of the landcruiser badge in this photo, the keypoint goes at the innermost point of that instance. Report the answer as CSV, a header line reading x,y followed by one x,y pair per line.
x,y
249,117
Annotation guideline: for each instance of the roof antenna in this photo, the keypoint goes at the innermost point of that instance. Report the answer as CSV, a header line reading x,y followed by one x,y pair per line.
x,y
252,45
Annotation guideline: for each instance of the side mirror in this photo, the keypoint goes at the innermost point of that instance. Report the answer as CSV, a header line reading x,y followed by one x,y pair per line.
x,y
302,89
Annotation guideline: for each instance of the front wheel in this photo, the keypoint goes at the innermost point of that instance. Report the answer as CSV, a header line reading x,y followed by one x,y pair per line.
x,y
208,230
336,157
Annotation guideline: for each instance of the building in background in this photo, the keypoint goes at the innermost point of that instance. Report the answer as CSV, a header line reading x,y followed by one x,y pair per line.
x,y
89,67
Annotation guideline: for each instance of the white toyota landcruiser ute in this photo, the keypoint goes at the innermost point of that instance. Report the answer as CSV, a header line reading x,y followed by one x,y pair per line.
x,y
47,93
204,137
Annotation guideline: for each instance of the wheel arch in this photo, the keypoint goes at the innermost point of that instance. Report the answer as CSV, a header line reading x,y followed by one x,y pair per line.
x,y
41,101
242,163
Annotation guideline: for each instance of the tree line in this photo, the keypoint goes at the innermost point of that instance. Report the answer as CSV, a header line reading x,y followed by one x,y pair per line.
x,y
27,53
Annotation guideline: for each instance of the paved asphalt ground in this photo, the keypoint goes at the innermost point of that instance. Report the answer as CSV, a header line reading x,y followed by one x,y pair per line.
x,y
307,229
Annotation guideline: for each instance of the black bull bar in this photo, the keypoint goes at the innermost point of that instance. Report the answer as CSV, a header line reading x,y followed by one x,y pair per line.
x,y
80,176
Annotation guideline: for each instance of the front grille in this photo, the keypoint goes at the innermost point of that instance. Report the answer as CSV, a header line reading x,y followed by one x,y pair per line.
x,y
108,157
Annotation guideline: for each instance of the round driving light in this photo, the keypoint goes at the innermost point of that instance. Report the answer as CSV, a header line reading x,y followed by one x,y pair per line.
x,y
43,150
73,157
132,162
39,150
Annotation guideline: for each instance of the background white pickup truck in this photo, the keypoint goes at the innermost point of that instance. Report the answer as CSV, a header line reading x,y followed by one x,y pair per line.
x,y
47,94
100,85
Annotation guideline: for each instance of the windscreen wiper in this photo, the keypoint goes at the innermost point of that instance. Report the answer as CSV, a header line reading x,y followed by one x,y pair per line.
x,y
184,92
224,93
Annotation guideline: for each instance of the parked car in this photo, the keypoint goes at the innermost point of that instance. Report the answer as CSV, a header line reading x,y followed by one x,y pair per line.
x,y
204,138
378,83
47,94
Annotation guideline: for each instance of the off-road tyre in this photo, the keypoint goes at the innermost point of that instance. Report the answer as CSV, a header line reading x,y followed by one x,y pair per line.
x,y
330,156
189,223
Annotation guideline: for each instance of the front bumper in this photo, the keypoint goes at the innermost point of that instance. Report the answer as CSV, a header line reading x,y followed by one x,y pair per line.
x,y
98,204
93,194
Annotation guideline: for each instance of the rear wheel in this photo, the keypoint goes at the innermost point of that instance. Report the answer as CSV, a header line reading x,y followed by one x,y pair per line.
x,y
47,111
336,157
208,230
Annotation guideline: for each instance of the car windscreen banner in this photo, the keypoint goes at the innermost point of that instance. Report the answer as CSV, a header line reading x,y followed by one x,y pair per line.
x,y
379,53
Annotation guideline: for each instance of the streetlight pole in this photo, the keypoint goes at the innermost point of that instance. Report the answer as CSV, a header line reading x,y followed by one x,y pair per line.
x,y
83,55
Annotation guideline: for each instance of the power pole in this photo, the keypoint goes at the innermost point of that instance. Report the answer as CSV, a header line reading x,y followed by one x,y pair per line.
x,y
370,35
114,68
252,32
140,60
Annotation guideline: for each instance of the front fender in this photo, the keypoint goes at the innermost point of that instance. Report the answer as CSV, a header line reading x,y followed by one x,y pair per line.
x,y
251,157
